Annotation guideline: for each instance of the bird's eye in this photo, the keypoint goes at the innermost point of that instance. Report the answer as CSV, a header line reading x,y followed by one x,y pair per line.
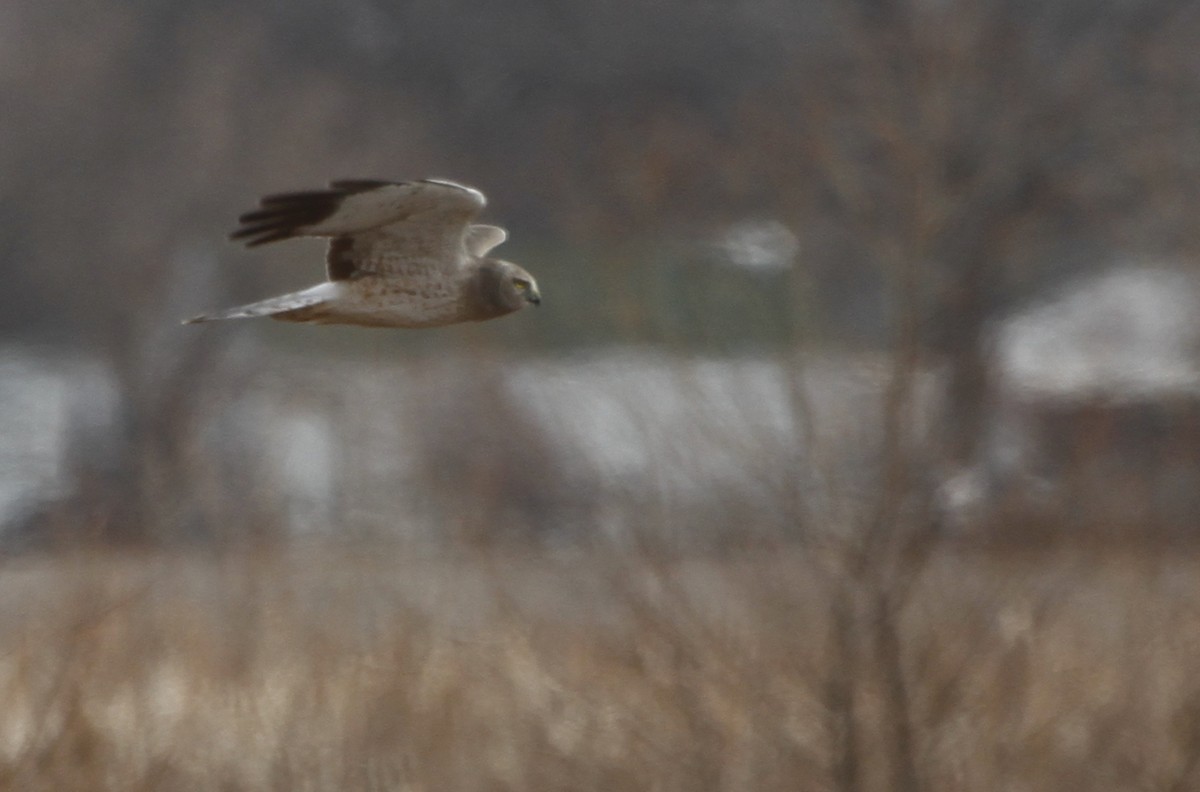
x,y
521,284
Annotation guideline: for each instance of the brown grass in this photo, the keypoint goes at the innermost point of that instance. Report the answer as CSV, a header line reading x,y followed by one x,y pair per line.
x,y
343,669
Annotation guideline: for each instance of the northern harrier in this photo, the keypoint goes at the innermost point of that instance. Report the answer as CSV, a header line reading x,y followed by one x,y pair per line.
x,y
401,254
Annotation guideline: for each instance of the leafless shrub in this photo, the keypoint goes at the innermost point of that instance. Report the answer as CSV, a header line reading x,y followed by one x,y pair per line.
x,y
340,671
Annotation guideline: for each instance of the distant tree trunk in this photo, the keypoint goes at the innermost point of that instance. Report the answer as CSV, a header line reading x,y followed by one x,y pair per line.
x,y
840,691
962,317
899,737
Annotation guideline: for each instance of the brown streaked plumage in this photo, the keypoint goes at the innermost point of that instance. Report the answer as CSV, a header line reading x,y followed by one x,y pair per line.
x,y
401,254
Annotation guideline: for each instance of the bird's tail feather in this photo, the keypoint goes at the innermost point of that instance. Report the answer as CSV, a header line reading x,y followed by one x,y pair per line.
x,y
273,306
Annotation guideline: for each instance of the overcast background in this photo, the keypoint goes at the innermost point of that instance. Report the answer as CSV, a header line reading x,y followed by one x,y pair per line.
x,y
855,446
726,181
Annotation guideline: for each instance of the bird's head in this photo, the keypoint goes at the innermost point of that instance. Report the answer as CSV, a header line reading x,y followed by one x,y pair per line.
x,y
525,285
506,287
518,282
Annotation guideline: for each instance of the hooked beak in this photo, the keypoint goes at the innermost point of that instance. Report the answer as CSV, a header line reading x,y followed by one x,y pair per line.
x,y
532,295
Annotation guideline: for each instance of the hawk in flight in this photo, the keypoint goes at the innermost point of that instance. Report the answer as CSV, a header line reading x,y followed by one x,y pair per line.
x,y
401,254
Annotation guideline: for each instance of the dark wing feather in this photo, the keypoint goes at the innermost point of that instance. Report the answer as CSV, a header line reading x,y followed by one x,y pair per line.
x,y
282,216
340,261
377,227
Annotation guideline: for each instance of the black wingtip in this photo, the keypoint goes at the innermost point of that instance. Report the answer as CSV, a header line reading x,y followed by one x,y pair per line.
x,y
285,215
282,200
253,237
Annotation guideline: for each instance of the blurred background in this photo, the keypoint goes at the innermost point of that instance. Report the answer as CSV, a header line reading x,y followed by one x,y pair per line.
x,y
851,310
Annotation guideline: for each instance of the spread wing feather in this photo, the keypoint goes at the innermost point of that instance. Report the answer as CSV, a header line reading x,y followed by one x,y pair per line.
x,y
431,213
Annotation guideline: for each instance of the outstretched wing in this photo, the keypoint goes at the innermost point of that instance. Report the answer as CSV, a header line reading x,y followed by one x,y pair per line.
x,y
427,218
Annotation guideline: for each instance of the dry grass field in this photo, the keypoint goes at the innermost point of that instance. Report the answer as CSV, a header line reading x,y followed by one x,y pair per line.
x,y
383,668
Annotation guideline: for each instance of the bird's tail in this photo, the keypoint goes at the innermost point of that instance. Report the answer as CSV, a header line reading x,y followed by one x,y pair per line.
x,y
280,307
